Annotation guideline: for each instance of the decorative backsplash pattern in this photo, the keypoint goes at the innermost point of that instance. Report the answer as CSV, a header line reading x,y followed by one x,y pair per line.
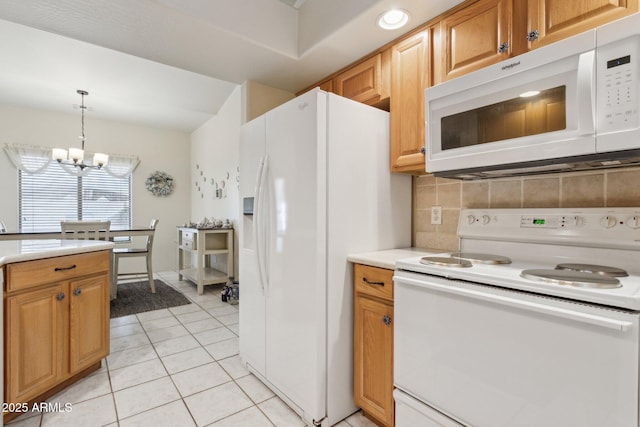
x,y
604,188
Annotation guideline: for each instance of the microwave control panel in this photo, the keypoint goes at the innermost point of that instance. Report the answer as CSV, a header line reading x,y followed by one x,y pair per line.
x,y
617,83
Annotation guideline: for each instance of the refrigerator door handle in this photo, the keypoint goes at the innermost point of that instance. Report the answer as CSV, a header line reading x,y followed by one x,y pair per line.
x,y
256,219
261,224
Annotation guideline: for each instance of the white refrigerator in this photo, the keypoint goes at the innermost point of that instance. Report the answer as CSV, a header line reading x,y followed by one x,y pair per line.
x,y
315,186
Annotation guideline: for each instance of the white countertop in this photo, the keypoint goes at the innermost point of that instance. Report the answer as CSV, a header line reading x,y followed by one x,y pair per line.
x,y
387,258
27,250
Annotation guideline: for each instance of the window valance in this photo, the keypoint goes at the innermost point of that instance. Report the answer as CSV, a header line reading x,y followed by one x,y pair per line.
x,y
34,159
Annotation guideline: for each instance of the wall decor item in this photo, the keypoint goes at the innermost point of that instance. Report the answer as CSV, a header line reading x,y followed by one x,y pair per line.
x,y
160,184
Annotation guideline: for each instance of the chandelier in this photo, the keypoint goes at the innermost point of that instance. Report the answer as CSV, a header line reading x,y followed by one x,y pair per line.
x,y
75,156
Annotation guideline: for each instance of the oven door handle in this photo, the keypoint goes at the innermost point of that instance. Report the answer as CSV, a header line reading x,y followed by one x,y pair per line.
x,y
605,322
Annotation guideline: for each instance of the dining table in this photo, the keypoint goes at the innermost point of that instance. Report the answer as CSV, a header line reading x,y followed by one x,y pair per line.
x,y
142,230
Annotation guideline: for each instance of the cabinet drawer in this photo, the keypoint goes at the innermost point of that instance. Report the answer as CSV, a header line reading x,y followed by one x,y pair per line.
x,y
190,244
23,275
374,281
188,235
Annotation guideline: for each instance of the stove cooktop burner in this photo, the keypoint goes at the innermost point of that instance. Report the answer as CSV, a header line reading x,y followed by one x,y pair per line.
x,y
573,278
603,270
482,258
445,261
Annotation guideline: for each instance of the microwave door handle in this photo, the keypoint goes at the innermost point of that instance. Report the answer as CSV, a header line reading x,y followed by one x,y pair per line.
x,y
586,88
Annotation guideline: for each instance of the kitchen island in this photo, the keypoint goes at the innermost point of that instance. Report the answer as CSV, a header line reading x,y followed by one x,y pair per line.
x,y
56,316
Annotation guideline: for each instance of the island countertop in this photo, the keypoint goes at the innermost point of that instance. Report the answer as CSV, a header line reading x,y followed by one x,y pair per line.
x,y
27,250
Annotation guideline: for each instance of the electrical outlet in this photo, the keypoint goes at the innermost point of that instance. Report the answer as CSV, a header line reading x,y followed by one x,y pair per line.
x,y
436,215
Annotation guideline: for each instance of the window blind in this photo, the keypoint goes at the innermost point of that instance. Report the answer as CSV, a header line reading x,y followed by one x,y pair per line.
x,y
45,199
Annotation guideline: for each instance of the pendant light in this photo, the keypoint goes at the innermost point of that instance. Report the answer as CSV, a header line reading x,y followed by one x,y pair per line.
x,y
75,156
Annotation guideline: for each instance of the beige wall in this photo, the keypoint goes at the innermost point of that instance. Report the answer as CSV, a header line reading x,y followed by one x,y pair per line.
x,y
606,188
158,149
258,99
215,162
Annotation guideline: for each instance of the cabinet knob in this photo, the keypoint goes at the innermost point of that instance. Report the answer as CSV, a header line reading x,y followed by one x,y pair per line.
x,y
423,150
503,47
77,291
60,296
386,320
533,35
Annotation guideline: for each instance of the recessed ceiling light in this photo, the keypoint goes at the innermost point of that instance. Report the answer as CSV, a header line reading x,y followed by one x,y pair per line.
x,y
393,19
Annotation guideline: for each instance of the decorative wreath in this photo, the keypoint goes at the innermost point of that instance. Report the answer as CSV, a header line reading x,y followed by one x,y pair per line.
x,y
159,184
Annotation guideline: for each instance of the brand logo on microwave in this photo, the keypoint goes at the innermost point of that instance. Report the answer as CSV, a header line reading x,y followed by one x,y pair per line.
x,y
510,66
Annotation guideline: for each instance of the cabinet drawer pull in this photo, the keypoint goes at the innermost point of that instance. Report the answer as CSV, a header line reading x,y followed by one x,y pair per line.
x,y
77,291
386,320
368,282
65,268
60,296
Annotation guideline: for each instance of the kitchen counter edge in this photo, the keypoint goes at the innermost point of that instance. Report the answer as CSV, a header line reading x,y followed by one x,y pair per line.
x,y
27,250
387,258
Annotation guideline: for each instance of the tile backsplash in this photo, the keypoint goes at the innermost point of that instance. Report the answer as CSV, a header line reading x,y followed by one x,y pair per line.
x,y
603,188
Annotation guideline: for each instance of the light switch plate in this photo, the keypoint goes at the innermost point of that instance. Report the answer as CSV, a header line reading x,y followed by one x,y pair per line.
x,y
436,215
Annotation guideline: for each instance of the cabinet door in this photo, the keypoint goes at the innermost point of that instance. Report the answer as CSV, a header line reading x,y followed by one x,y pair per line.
x,y
556,20
89,321
373,358
364,82
410,76
35,342
472,37
327,86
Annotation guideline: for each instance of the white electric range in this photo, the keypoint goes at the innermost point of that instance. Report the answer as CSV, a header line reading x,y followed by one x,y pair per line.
x,y
535,321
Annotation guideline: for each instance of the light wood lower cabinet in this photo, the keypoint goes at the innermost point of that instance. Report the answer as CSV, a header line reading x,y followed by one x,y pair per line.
x,y
373,343
57,330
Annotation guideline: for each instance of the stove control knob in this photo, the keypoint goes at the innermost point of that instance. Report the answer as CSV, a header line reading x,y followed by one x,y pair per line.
x,y
486,219
608,221
633,221
471,219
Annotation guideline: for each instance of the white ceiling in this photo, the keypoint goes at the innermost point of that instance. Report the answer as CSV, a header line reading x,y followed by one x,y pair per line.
x,y
173,63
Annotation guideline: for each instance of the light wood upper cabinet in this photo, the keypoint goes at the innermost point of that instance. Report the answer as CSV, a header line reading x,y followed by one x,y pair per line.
x,y
366,82
327,86
470,36
410,76
557,20
475,36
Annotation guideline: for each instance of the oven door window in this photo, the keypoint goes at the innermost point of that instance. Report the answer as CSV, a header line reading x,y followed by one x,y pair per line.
x,y
528,114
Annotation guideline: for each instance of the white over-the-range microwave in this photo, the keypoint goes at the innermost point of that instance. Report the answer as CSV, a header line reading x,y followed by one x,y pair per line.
x,y
571,105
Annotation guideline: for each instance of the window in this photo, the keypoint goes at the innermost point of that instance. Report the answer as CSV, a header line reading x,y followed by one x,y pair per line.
x,y
46,198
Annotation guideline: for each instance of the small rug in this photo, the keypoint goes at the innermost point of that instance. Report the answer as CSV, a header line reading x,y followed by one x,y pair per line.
x,y
136,297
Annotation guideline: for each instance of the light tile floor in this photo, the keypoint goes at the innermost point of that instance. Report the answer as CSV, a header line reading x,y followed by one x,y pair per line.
x,y
174,367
